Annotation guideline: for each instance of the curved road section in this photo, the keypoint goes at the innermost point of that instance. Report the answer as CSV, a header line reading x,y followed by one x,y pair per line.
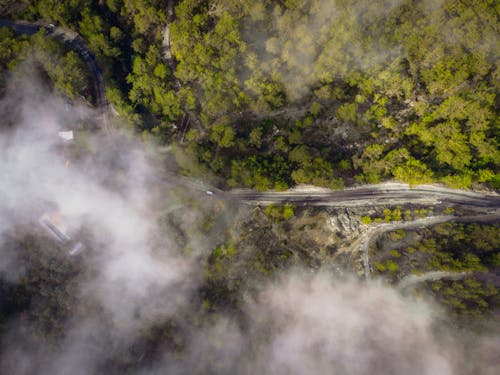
x,y
74,41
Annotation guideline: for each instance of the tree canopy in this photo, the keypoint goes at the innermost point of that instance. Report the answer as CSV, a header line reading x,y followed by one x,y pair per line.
x,y
372,90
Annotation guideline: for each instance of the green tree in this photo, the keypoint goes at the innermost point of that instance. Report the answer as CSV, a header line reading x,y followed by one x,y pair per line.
x,y
413,172
222,135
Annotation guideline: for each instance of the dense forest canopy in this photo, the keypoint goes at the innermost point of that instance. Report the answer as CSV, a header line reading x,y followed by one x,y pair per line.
x,y
326,92
177,276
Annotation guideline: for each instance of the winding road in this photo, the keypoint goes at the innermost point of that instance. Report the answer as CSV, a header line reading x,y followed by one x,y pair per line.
x,y
364,243
74,41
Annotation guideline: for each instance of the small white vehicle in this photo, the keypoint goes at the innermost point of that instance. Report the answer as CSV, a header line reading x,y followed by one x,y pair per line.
x,y
209,192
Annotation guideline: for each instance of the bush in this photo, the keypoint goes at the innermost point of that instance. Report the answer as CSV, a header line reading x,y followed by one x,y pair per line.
x,y
366,220
380,267
392,266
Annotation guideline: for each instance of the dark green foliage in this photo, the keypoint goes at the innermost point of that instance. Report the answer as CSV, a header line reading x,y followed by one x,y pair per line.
x,y
62,12
473,250
471,299
150,86
450,246
261,173
10,49
46,293
462,247
63,68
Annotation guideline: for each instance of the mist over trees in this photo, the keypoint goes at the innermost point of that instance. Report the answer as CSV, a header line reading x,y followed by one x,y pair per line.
x,y
245,93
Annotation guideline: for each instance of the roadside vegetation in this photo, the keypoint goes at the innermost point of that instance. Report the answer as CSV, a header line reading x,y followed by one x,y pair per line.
x,y
275,94
398,213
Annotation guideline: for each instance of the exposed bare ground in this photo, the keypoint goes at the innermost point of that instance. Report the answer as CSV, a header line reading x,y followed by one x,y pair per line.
x,y
430,276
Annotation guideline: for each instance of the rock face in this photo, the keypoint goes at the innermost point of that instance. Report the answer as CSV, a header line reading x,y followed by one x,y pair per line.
x,y
346,222
322,229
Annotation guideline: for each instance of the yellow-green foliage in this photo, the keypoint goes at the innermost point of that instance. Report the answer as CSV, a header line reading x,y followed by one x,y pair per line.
x,y
388,215
391,266
395,254
288,212
366,220
397,235
380,267
227,250
280,212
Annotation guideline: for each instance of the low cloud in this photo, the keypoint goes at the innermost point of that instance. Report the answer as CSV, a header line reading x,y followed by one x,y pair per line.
x,y
130,276
305,44
133,280
347,327
315,324
320,41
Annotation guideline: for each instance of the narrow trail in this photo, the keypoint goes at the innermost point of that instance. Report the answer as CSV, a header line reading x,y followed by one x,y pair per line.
x,y
364,243
411,280
190,116
167,45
